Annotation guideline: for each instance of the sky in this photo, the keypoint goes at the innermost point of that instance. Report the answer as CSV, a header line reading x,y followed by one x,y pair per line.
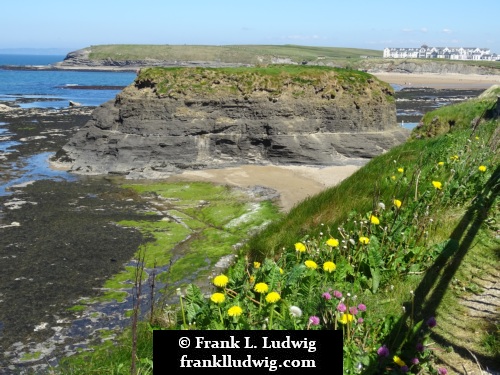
x,y
65,26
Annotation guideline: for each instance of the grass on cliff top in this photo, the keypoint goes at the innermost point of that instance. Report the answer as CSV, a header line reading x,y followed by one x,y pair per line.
x,y
325,82
238,54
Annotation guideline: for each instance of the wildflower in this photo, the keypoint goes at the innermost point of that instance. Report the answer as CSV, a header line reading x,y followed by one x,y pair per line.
x,y
454,157
361,307
441,163
273,297
327,296
420,347
383,351
333,242
364,240
341,307
218,297
381,205
437,185
401,170
353,310
300,247
398,361
329,266
256,265
415,361
295,311
234,311
345,318
397,203
442,371
261,288
314,320
404,368
374,220
360,320
252,279
281,271
431,322
393,178
221,280
482,168
337,294
311,264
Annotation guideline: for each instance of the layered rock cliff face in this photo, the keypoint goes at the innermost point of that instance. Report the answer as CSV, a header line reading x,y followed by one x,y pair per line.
x,y
185,118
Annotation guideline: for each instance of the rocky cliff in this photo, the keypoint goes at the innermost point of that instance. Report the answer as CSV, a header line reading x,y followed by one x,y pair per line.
x,y
177,118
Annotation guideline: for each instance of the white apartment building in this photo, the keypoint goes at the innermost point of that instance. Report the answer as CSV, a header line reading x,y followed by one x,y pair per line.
x,y
426,52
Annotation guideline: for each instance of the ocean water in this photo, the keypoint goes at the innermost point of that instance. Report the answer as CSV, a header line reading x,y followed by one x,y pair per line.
x,y
45,89
55,89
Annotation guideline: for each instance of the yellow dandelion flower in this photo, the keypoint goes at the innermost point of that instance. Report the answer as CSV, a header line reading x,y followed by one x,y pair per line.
x,y
437,185
329,266
218,297
441,163
273,297
397,203
374,220
345,318
333,242
482,168
454,157
234,311
311,264
221,280
477,138
393,178
252,279
401,170
398,361
281,271
256,265
261,288
364,240
300,247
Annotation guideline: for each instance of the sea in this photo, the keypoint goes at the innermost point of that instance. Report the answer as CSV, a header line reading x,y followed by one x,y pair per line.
x,y
47,89
56,84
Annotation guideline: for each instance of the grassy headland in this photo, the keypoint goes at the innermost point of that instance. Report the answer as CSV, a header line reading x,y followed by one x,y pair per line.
x,y
238,54
381,256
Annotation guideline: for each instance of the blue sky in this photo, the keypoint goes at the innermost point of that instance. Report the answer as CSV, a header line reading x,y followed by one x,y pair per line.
x,y
373,24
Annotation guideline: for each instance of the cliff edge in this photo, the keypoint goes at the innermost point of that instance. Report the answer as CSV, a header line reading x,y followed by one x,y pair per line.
x,y
171,119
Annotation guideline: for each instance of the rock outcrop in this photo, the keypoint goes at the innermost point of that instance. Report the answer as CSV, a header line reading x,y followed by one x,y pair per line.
x,y
191,118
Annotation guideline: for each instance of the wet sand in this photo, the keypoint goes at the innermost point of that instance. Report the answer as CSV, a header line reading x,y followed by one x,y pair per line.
x,y
293,183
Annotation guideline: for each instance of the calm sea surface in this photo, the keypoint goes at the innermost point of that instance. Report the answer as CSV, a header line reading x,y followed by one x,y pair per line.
x,y
55,85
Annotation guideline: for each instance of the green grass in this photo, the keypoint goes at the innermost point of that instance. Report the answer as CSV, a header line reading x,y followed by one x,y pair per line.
x,y
245,54
313,82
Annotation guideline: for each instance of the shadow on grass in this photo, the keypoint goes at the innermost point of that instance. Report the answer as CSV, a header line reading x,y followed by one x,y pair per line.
x,y
430,292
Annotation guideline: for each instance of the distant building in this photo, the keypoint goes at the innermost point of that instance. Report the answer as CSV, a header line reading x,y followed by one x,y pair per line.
x,y
426,52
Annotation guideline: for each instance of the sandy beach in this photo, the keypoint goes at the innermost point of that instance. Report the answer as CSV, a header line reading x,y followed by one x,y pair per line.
x,y
440,81
296,183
